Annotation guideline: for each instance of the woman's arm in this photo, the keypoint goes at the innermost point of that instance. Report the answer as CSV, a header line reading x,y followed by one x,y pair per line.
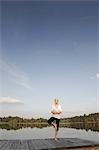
x,y
53,112
56,112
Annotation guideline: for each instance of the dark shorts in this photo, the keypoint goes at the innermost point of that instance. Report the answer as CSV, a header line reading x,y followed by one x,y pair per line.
x,y
54,119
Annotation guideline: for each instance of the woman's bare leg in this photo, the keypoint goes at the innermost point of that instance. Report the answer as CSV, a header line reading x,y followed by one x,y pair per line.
x,y
56,132
53,124
55,127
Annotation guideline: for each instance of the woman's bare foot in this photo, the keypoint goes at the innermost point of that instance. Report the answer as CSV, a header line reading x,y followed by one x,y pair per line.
x,y
56,139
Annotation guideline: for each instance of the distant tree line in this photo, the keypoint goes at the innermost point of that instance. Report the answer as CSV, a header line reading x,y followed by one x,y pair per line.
x,y
91,118
17,120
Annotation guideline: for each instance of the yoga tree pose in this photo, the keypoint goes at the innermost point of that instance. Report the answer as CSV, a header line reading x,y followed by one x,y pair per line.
x,y
55,119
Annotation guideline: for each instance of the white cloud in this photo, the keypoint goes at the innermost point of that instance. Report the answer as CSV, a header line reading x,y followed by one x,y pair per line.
x,y
9,100
19,76
97,75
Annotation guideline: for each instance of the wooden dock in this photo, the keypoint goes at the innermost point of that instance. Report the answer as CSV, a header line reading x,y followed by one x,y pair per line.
x,y
48,144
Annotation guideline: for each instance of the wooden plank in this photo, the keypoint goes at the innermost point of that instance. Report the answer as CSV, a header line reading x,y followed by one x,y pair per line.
x,y
2,143
6,145
74,142
37,144
31,144
48,143
54,143
15,145
42,144
24,145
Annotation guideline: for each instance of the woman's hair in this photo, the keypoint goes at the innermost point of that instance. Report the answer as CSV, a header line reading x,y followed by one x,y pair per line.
x,y
56,101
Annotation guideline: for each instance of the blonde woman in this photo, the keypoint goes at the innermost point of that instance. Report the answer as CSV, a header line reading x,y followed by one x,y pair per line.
x,y
56,111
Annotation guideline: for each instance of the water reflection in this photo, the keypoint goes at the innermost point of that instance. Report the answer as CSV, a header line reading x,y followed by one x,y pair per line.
x,y
20,126
89,126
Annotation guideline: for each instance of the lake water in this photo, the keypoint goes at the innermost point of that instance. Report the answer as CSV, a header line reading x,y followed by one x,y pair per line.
x,y
48,132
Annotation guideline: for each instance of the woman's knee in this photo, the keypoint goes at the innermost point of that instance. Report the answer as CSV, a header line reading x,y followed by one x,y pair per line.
x,y
49,122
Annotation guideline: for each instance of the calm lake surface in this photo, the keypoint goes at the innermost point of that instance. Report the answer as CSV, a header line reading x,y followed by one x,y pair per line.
x,y
48,132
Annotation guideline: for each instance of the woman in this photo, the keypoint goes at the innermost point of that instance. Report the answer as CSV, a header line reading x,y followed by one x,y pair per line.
x,y
56,111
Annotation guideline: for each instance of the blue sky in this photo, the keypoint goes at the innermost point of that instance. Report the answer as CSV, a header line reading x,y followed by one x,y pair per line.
x,y
49,50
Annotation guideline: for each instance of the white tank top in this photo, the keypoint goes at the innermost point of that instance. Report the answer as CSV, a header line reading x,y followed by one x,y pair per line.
x,y
56,109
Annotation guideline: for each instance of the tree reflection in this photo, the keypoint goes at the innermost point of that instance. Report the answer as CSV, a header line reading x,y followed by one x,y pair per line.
x,y
84,126
20,126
